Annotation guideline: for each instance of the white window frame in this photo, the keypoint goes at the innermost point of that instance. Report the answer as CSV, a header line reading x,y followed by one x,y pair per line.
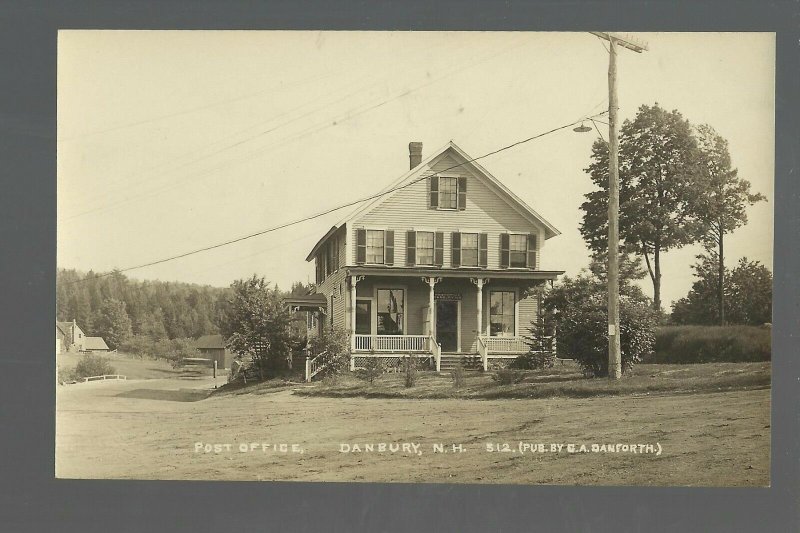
x,y
525,235
488,308
393,287
366,252
433,232
477,248
448,176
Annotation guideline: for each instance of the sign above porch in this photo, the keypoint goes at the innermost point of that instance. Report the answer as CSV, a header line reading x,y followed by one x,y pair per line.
x,y
449,296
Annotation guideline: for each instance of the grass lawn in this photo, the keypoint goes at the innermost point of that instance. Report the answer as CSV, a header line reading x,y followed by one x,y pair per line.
x,y
130,366
560,381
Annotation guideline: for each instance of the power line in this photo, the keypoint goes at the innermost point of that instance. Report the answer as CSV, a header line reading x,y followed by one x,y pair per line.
x,y
332,209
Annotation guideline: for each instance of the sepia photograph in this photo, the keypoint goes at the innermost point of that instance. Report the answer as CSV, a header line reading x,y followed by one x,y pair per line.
x,y
485,257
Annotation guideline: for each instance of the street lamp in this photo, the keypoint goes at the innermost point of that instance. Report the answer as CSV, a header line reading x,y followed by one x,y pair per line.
x,y
614,349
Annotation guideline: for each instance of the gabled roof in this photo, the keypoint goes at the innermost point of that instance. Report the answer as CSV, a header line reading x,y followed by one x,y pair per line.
x,y
210,341
308,301
422,170
64,327
94,343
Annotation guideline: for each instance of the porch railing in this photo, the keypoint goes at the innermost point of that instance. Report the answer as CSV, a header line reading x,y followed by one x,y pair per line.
x,y
504,345
393,343
483,351
436,350
314,366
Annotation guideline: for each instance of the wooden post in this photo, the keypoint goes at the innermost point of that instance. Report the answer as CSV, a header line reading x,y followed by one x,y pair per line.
x,y
614,351
215,373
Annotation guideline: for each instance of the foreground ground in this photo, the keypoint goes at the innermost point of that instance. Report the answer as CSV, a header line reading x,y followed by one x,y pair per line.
x,y
157,429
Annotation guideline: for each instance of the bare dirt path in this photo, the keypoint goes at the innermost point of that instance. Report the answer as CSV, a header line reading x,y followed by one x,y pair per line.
x,y
149,429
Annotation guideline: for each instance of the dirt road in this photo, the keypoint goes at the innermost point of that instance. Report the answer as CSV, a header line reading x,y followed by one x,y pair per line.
x,y
159,429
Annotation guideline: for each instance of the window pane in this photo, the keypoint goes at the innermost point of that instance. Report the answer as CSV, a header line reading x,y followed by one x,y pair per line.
x,y
519,251
424,247
501,313
375,246
390,311
448,193
469,249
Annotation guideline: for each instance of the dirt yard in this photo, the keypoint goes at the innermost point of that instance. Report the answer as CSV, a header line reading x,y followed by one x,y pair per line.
x,y
162,429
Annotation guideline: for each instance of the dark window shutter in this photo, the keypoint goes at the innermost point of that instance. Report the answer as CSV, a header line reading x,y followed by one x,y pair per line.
x,y
455,257
411,248
483,250
504,252
361,246
434,186
388,244
532,251
438,253
462,194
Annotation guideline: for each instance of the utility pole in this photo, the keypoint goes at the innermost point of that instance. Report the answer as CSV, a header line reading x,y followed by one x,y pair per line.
x,y
614,350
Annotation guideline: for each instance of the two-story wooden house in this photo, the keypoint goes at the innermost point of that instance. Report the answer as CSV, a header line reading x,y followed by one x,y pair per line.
x,y
442,266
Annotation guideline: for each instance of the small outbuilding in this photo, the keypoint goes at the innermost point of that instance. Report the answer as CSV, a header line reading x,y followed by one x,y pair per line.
x,y
95,344
213,347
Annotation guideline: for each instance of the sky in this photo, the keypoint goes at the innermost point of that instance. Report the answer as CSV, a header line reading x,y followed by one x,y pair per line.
x,y
169,141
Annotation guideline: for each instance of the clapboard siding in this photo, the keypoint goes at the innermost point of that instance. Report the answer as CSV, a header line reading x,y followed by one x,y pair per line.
x,y
407,209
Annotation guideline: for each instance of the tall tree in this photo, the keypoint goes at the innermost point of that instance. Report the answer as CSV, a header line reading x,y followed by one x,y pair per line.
x,y
659,160
721,206
256,323
112,323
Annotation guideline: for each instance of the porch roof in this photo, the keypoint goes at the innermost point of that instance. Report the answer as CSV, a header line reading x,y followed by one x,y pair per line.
x,y
509,274
309,301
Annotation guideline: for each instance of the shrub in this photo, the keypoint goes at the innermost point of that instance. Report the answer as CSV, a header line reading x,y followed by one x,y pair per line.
x,y
93,365
712,344
459,376
507,376
410,371
533,361
372,370
578,308
541,352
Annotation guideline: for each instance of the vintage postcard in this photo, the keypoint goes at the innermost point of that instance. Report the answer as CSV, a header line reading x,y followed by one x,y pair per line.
x,y
384,257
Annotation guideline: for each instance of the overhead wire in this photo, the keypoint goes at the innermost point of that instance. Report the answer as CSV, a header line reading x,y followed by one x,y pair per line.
x,y
332,209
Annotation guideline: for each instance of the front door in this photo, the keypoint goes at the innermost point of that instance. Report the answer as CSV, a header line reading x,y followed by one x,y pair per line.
x,y
447,325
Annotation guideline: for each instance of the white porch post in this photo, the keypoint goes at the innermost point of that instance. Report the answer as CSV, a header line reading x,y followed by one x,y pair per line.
x,y
431,284
353,282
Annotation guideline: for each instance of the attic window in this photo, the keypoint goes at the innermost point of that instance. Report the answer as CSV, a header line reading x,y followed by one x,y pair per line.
x,y
448,192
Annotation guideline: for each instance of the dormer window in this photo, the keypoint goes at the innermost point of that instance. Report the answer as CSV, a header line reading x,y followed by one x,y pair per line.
x,y
448,192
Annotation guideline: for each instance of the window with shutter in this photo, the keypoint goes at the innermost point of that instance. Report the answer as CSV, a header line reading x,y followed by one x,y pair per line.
x,y
469,249
434,191
411,248
455,253
504,251
361,246
438,256
425,247
518,251
375,246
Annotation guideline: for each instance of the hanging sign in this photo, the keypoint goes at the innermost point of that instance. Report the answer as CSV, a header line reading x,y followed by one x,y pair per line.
x,y
447,296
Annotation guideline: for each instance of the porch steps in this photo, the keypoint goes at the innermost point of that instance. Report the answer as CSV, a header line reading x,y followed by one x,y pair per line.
x,y
469,361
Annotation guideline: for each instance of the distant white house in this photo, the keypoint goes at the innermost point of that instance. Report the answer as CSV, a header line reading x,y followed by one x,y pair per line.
x,y
71,338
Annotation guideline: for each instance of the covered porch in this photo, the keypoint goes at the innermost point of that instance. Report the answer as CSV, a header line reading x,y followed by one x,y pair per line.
x,y
440,315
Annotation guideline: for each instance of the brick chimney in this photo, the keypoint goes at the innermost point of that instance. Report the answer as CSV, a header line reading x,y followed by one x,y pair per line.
x,y
414,154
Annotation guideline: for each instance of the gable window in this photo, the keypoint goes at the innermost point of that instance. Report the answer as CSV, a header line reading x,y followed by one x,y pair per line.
x,y
447,192
425,245
375,246
518,251
390,306
469,249
501,314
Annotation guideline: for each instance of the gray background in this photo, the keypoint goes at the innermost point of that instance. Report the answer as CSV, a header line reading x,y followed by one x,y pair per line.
x,y
31,500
